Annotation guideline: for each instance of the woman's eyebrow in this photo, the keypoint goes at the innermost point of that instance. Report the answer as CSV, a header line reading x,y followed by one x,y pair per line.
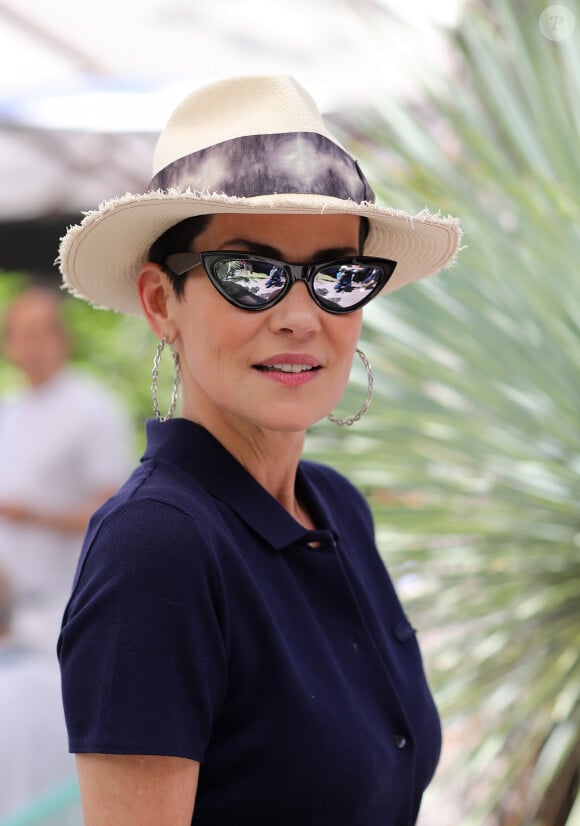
x,y
271,252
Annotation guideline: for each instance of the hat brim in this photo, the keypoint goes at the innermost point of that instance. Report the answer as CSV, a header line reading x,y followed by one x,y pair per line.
x,y
101,257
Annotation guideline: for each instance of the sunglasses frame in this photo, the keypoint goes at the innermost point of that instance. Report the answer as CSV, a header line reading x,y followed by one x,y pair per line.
x,y
180,263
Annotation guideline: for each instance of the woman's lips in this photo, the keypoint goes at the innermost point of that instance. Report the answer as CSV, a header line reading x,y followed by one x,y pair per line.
x,y
290,369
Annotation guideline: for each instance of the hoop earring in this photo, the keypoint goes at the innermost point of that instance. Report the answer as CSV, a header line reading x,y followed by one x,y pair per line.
x,y
155,378
367,401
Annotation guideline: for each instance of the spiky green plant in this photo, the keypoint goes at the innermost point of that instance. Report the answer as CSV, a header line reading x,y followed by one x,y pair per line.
x,y
471,451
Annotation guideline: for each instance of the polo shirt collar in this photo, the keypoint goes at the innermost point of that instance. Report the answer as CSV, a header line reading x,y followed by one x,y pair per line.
x,y
194,450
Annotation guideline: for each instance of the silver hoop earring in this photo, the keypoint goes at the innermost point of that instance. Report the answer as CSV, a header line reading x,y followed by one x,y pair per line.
x,y
155,379
367,401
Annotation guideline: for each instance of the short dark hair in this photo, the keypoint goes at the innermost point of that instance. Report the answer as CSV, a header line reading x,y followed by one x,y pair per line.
x,y
181,236
363,233
178,238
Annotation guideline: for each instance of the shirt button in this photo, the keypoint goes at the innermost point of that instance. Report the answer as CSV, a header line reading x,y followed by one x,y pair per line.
x,y
400,741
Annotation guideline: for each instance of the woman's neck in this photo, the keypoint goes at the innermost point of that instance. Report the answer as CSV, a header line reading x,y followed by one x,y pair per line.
x,y
271,457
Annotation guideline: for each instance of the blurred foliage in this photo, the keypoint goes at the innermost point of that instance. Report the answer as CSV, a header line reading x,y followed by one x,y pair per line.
x,y
471,451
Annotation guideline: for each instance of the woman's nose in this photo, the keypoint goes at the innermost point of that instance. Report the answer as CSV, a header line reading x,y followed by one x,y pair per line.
x,y
296,312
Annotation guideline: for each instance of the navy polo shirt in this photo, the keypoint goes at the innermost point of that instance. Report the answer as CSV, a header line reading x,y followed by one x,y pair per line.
x,y
206,623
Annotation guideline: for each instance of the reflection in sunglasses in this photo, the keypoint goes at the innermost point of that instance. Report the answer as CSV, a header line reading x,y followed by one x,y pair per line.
x,y
258,283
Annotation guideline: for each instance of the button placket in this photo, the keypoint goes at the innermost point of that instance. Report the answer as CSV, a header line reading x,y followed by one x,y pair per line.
x,y
403,632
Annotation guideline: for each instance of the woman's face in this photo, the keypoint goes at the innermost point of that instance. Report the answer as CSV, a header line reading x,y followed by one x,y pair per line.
x,y
235,363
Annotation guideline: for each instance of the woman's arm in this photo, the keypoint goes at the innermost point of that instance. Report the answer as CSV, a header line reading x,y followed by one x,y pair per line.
x,y
137,790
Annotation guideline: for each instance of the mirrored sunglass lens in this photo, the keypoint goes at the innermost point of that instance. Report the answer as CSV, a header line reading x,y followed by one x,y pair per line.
x,y
346,285
249,281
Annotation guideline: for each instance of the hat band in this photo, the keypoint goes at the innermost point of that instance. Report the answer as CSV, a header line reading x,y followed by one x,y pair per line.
x,y
282,163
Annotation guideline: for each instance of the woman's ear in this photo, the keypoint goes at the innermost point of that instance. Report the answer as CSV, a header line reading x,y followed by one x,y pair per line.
x,y
155,294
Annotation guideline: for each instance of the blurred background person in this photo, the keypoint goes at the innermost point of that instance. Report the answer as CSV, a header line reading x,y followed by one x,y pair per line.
x,y
34,757
65,446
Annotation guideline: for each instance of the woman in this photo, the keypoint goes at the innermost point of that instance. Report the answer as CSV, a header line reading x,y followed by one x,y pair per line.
x,y
233,650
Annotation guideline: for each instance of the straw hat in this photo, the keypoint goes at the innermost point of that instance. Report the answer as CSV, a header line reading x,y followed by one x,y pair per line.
x,y
254,144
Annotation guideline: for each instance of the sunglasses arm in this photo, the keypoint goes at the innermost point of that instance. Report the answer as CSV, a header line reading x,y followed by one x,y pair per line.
x,y
180,263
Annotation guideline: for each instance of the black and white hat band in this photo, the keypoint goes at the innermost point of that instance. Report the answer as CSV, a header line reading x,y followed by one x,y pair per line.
x,y
281,163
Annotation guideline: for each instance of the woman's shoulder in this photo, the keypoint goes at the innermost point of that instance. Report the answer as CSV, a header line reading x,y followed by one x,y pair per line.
x,y
335,488
325,476
161,487
154,514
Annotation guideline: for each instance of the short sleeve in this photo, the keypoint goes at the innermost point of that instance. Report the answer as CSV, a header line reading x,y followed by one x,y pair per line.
x,y
143,647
